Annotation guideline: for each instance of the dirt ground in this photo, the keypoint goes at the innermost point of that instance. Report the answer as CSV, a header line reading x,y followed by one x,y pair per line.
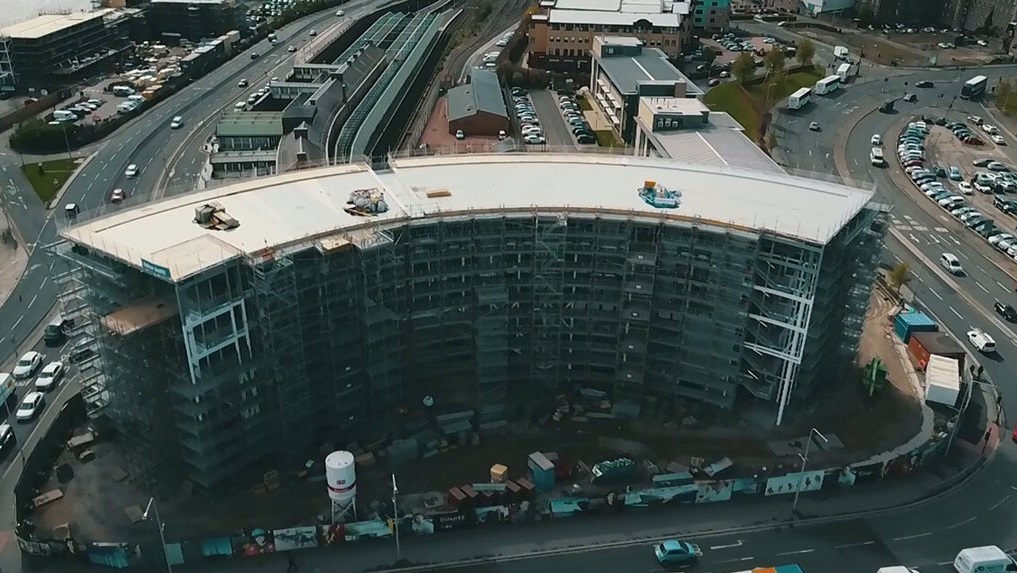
x,y
436,135
95,503
905,49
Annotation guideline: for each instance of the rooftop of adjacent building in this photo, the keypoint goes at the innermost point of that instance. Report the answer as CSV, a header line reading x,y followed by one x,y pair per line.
x,y
46,24
660,13
639,64
250,124
720,143
483,93
307,208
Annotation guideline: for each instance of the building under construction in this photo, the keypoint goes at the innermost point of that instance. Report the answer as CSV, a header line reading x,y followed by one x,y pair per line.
x,y
260,321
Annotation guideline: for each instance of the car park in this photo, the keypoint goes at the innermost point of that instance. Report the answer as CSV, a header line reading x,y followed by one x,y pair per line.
x,y
924,84
955,174
990,129
966,188
534,139
30,406
813,126
951,201
984,162
910,98
994,241
997,139
997,166
982,187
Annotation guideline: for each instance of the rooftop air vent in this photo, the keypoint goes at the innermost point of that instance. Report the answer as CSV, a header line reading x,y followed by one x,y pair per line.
x,y
213,216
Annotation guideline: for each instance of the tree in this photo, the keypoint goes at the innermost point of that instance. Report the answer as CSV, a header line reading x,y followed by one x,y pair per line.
x,y
774,61
709,56
744,67
805,51
898,277
1002,93
865,13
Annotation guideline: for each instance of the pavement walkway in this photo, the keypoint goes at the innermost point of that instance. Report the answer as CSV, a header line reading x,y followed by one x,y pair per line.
x,y
13,259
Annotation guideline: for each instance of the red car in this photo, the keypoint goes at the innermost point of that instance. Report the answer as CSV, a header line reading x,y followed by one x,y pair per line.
x,y
1014,436
117,196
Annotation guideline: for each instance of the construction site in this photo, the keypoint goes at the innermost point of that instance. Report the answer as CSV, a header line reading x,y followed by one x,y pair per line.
x,y
211,364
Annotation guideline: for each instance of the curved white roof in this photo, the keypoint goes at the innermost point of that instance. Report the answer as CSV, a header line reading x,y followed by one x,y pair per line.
x,y
303,208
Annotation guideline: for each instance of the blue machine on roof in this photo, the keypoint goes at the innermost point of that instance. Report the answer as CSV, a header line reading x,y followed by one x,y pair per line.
x,y
659,196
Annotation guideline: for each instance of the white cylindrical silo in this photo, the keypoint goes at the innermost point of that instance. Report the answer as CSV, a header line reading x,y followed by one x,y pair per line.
x,y
341,476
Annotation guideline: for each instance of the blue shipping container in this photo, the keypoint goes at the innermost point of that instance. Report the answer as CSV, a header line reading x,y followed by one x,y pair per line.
x,y
911,321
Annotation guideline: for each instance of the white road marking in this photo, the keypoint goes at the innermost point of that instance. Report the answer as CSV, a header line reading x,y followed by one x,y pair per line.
x,y
935,293
846,545
907,537
957,313
968,520
1000,502
983,288
715,547
31,302
800,552
18,322
945,563
1001,286
736,560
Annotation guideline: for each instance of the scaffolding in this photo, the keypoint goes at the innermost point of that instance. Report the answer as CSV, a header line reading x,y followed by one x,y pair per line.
x,y
271,356
8,79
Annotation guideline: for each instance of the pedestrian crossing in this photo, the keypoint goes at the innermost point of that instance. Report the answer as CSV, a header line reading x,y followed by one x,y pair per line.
x,y
910,224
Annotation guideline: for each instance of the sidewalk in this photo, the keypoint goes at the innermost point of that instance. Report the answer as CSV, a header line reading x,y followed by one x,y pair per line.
x,y
13,260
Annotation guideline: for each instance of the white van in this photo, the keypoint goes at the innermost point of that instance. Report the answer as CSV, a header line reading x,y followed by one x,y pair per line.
x,y
986,344
876,157
240,106
988,559
951,263
64,115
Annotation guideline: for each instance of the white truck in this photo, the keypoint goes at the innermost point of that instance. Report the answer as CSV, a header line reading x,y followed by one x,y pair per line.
x,y
847,70
841,52
987,559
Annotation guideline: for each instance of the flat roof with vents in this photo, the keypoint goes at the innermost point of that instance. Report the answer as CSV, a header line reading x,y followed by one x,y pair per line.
x,y
42,26
301,209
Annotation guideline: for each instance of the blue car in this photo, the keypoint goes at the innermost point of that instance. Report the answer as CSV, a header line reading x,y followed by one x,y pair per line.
x,y
676,551
955,174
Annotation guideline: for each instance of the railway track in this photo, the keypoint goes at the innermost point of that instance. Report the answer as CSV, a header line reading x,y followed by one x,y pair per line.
x,y
503,14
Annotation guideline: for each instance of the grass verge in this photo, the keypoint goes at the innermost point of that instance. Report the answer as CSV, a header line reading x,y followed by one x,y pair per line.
x,y
606,138
48,177
743,103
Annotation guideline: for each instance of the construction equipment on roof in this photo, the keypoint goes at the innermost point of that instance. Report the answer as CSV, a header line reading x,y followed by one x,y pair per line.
x,y
366,203
659,196
213,216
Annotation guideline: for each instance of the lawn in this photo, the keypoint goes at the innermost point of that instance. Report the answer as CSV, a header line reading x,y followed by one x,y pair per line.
x,y
606,138
743,103
48,177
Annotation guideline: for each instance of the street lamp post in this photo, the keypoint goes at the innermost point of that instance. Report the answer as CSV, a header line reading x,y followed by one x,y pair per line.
x,y
152,507
395,517
21,446
805,459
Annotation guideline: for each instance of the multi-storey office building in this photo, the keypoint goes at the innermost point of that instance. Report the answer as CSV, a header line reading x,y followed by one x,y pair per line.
x,y
54,50
562,34
195,20
288,318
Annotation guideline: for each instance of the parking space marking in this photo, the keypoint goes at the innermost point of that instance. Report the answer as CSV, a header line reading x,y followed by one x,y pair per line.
x,y
941,230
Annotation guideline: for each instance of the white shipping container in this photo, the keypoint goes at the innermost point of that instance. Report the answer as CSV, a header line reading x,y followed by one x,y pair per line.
x,y
942,380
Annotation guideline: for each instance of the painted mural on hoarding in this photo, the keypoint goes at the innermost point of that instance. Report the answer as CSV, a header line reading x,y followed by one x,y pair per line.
x,y
798,481
846,476
422,525
712,491
49,548
375,528
748,485
295,538
902,465
253,543
113,555
451,520
332,534
661,495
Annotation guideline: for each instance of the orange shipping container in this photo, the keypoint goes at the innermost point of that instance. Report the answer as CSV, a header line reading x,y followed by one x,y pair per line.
x,y
923,344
